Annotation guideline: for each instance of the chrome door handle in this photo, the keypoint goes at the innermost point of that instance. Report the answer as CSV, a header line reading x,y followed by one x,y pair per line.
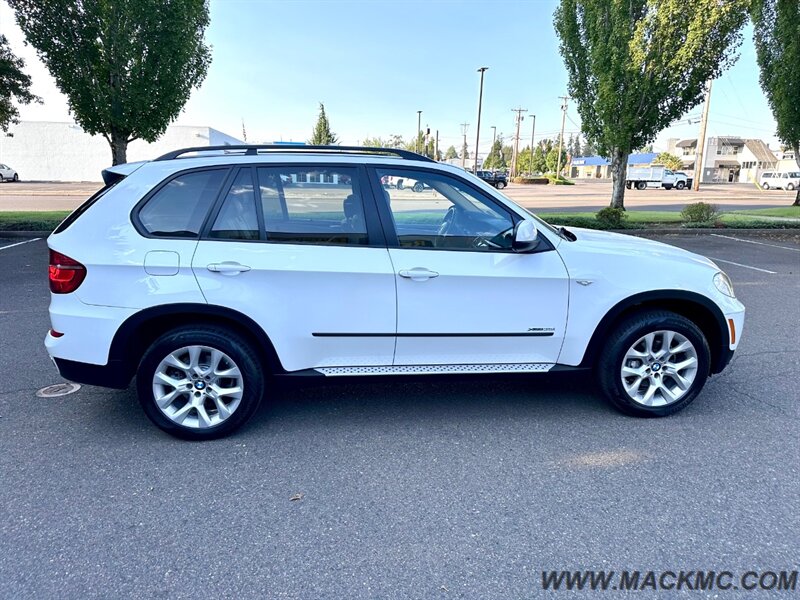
x,y
417,274
228,268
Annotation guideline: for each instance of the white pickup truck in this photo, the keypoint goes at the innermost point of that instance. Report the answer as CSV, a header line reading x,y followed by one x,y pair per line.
x,y
655,177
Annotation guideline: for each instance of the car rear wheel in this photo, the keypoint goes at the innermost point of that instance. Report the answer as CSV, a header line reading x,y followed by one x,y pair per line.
x,y
200,383
418,187
790,187
641,185
654,364
765,186
500,185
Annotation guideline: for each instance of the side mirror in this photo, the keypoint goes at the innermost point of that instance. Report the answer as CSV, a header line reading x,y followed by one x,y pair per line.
x,y
526,237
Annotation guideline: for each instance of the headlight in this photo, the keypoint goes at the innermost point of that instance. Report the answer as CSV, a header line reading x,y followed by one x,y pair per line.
x,y
723,284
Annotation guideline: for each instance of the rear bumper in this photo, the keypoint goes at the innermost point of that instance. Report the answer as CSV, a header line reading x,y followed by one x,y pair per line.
x,y
111,375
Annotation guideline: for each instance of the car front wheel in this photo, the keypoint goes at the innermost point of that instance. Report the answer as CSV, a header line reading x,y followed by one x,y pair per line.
x,y
765,186
680,185
654,364
790,187
500,185
200,383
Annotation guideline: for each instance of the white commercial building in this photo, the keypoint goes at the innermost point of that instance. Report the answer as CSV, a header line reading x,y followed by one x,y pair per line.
x,y
727,159
50,151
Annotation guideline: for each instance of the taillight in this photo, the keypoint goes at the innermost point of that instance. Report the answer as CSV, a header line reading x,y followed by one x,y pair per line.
x,y
66,274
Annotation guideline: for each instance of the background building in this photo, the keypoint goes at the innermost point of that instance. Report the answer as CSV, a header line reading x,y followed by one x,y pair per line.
x,y
727,159
597,167
51,151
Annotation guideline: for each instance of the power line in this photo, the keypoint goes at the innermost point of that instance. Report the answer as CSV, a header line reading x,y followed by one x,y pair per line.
x,y
515,152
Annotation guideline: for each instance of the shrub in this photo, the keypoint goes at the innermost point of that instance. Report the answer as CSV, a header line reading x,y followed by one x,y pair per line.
x,y
558,180
531,180
699,212
611,218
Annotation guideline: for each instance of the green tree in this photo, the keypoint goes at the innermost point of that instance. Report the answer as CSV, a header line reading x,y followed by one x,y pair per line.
x,y
127,67
375,142
669,160
552,158
322,134
426,148
589,148
539,160
636,66
776,33
395,141
451,153
495,158
575,147
15,85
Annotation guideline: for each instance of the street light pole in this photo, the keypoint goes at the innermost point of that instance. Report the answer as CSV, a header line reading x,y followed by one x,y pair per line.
x,y
533,131
494,134
482,70
416,138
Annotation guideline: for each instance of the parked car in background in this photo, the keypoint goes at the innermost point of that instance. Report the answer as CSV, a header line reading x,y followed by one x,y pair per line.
x,y
7,173
786,181
497,179
655,177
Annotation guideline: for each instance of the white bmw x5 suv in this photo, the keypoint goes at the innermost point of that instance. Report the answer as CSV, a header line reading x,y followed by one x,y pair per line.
x,y
208,271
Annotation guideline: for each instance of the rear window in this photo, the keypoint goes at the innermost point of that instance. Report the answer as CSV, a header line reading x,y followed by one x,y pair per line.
x,y
179,208
73,216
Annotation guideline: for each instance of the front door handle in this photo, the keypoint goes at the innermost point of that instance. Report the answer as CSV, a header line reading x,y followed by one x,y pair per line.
x,y
418,274
228,268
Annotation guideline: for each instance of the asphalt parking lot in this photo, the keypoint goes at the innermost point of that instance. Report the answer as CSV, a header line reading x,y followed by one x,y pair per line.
x,y
441,488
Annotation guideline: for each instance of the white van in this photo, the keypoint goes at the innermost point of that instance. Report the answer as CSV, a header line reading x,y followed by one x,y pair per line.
x,y
786,181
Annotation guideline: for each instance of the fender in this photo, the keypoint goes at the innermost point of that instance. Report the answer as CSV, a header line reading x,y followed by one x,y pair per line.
x,y
696,307
140,329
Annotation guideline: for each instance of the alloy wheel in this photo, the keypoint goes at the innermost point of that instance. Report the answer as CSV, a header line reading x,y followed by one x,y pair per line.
x,y
659,368
197,386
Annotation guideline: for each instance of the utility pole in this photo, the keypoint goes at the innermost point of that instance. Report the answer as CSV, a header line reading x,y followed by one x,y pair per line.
x,y
494,134
561,137
701,141
533,131
464,147
416,137
436,147
482,70
519,112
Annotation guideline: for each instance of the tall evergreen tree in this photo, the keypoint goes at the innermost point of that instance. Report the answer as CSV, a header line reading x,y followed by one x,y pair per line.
x,y
451,153
636,66
322,134
776,32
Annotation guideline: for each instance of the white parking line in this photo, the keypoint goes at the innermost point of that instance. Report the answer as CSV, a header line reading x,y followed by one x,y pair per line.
x,y
19,243
728,237
730,262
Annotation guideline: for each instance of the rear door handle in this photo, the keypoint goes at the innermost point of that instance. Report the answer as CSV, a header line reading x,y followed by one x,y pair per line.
x,y
418,274
228,268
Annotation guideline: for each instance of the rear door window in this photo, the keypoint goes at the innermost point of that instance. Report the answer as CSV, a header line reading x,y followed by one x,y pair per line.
x,y
312,205
179,208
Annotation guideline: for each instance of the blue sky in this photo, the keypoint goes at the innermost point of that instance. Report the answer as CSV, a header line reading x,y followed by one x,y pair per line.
x,y
374,63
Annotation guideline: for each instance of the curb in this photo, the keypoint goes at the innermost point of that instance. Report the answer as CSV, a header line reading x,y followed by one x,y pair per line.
x,y
25,234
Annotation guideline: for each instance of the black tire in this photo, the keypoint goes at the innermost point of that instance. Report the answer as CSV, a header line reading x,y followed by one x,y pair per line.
x,y
667,186
16,177
1,179
790,187
628,184
500,185
766,186
418,187
624,336
238,349
641,185
399,185
680,185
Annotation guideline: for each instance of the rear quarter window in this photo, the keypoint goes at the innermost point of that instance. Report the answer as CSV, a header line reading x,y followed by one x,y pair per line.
x,y
179,207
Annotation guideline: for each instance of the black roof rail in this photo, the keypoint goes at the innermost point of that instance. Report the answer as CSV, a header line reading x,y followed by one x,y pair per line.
x,y
254,149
